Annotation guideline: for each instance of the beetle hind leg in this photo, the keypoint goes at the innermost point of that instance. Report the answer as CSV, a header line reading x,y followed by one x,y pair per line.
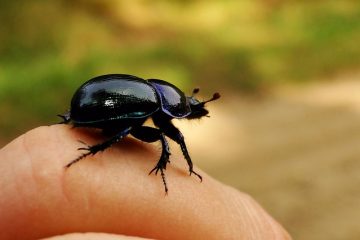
x,y
92,150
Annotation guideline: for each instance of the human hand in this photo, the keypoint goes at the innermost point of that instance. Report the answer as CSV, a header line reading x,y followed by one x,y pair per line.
x,y
111,193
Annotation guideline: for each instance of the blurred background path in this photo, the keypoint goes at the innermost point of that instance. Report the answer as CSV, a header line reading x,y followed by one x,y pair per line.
x,y
297,151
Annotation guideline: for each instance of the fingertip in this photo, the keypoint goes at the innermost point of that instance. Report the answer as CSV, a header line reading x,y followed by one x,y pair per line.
x,y
248,212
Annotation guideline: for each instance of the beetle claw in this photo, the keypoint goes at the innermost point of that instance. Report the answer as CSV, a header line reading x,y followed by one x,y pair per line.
x,y
198,175
161,169
156,169
78,159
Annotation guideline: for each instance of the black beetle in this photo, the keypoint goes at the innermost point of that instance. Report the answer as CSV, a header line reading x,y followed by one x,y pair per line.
x,y
119,104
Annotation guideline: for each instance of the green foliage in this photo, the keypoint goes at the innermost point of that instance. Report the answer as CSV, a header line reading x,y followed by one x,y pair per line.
x,y
48,48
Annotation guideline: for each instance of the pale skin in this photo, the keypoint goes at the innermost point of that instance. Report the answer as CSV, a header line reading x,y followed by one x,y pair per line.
x,y
111,196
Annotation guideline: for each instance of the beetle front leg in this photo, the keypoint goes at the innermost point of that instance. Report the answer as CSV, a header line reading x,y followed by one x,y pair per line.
x,y
172,132
180,140
92,150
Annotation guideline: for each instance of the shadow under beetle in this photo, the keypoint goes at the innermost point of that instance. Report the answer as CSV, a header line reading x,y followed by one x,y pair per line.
x,y
119,104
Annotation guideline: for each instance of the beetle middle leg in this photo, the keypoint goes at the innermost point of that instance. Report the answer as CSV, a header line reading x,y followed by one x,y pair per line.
x,y
149,134
172,132
92,150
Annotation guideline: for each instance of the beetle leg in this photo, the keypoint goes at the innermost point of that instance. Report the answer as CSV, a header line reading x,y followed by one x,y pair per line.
x,y
149,134
164,159
172,132
92,150
65,117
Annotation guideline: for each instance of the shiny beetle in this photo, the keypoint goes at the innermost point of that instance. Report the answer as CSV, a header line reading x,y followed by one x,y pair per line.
x,y
119,104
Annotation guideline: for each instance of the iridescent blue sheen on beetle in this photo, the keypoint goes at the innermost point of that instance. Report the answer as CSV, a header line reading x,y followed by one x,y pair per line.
x,y
119,104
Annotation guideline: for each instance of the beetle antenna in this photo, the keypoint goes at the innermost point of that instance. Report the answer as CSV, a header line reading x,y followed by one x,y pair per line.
x,y
214,97
195,91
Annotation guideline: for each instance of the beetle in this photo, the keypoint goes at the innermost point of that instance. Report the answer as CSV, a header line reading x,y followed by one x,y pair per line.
x,y
119,104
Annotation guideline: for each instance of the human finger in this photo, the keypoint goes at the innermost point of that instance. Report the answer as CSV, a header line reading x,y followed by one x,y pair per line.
x,y
111,192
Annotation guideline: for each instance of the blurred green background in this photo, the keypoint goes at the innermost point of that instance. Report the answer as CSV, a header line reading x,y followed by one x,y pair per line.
x,y
287,128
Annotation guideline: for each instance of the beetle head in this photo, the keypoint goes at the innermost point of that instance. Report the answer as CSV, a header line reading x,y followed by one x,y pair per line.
x,y
198,108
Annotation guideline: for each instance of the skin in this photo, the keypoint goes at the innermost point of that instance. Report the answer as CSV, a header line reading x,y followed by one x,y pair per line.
x,y
111,196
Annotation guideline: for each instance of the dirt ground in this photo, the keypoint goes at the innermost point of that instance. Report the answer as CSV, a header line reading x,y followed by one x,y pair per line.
x,y
296,151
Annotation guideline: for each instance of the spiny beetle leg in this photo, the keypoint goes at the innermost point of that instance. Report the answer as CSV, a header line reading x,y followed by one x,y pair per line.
x,y
92,150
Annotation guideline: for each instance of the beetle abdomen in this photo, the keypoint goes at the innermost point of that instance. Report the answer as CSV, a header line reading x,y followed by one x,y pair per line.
x,y
113,97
